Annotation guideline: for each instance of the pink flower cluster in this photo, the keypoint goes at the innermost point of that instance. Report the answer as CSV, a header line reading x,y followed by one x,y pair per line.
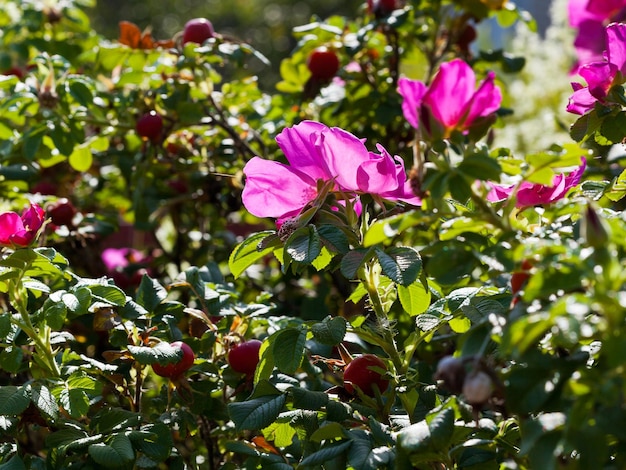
x,y
590,18
602,75
20,230
531,194
316,152
451,102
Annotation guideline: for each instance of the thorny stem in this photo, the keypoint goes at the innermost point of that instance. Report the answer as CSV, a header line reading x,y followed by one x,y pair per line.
x,y
41,340
370,278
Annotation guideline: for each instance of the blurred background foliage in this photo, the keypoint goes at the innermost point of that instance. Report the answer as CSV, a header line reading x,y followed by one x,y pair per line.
x,y
265,25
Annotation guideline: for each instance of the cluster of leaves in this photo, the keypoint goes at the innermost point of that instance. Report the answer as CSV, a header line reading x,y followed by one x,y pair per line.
x,y
410,285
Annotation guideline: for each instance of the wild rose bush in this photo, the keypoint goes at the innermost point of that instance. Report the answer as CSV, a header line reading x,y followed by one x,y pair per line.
x,y
365,219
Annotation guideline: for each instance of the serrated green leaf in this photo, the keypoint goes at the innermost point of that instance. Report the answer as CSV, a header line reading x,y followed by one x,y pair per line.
x,y
400,264
303,246
14,400
43,399
288,349
333,238
118,452
110,420
159,446
65,437
112,295
247,253
308,400
150,293
441,429
11,358
75,402
162,353
257,413
353,260
330,331
281,434
414,298
326,453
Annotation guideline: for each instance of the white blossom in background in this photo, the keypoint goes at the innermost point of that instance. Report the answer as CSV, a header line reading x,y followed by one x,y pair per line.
x,y
538,94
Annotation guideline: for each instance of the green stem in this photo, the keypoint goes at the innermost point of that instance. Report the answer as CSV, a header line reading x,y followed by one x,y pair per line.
x,y
491,216
43,346
370,279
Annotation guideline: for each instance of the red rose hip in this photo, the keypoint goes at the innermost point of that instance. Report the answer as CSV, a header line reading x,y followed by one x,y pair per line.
x,y
244,357
198,30
176,369
363,372
62,212
150,125
323,64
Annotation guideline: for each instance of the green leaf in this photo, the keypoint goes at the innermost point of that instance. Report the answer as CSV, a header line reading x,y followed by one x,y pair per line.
x,y
441,429
328,431
330,331
14,400
45,401
108,294
353,260
400,264
257,413
110,420
383,230
162,353
75,402
414,298
150,293
247,253
11,358
326,453
14,463
288,349
81,159
118,452
482,167
613,128
80,90
65,436
333,238
308,400
585,126
159,446
303,246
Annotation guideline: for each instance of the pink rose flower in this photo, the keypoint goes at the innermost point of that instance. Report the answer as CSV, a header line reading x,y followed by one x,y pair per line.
x,y
20,231
316,152
532,194
590,17
601,76
452,99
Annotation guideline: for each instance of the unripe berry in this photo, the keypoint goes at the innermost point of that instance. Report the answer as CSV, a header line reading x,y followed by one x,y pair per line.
x,y
244,357
477,388
176,369
451,371
360,373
